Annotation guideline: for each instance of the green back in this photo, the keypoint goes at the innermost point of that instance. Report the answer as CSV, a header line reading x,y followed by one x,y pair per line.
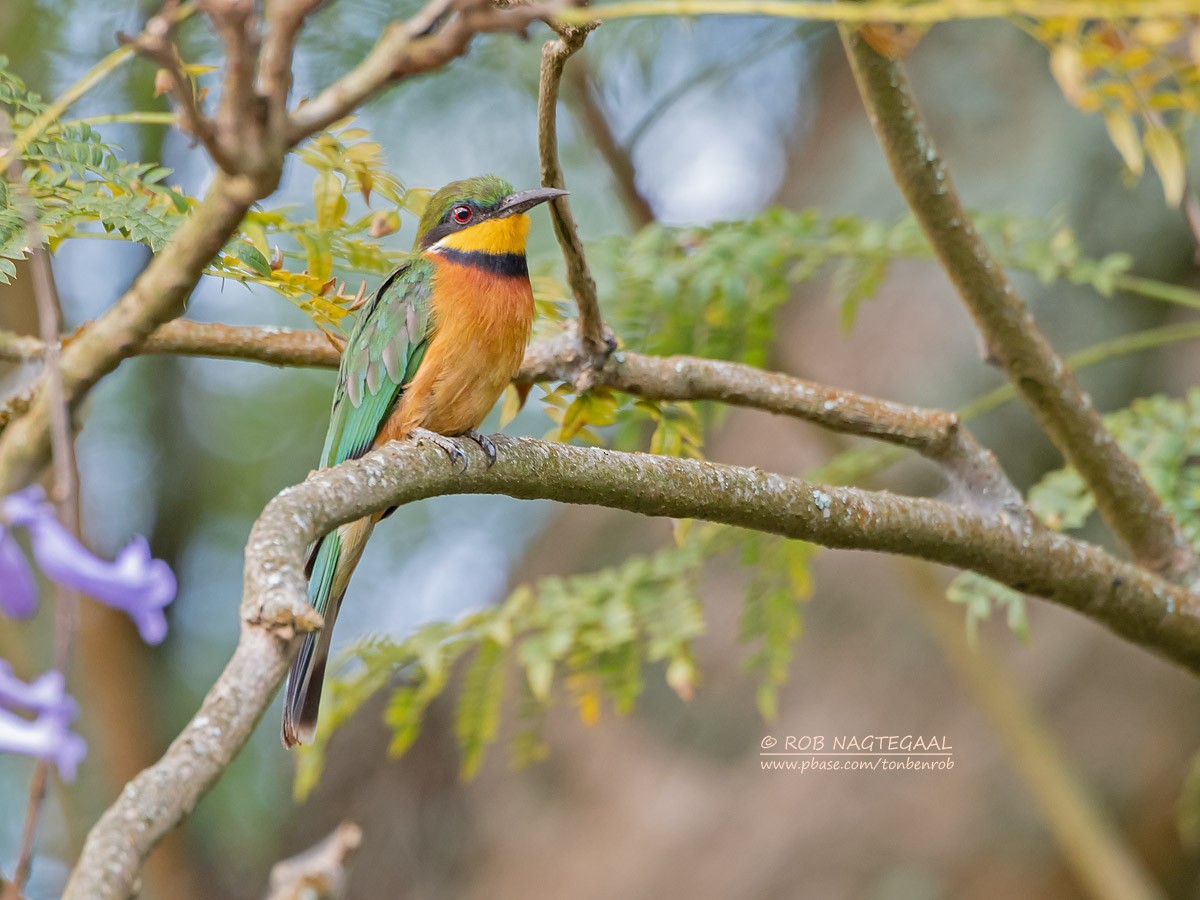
x,y
381,357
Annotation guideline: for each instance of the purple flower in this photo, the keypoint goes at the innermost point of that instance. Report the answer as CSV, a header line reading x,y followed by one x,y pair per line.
x,y
48,694
134,582
47,736
18,595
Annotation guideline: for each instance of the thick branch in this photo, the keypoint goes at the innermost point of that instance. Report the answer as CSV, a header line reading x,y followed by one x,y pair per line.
x,y
1141,607
1133,603
555,54
240,119
1012,340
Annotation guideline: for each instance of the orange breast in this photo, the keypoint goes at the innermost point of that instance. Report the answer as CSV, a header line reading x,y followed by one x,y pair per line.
x,y
481,325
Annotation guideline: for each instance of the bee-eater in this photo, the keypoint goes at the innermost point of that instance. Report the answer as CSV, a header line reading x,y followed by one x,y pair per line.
x,y
435,347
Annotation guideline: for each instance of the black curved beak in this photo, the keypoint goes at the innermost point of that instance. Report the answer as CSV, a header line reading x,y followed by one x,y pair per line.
x,y
525,200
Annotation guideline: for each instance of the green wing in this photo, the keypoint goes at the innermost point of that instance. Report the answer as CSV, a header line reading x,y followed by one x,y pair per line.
x,y
382,355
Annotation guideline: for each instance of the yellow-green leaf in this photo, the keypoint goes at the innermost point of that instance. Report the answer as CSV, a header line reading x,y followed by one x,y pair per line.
x,y
1066,62
510,405
329,200
1167,156
1123,133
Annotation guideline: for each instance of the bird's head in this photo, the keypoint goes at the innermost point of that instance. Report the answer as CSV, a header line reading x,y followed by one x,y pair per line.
x,y
482,214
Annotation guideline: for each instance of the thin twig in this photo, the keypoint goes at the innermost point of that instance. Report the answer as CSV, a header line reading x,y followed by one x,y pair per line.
x,y
755,50
1135,604
1012,339
936,434
319,873
284,19
155,43
555,54
90,79
583,92
65,492
406,48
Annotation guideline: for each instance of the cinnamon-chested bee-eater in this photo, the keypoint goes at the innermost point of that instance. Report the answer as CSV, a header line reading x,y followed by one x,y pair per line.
x,y
435,347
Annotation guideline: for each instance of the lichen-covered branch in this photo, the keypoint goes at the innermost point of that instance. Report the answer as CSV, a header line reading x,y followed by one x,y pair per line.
x,y
1011,337
1135,604
555,54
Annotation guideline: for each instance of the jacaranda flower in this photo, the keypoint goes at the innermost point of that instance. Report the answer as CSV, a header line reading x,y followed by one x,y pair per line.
x,y
134,582
18,594
47,735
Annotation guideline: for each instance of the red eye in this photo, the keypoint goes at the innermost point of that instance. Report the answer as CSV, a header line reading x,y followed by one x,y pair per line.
x,y
462,214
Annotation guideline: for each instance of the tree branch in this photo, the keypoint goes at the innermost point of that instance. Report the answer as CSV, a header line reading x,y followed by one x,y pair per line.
x,y
583,90
930,12
319,873
284,20
555,54
936,434
156,44
1012,339
1133,603
406,48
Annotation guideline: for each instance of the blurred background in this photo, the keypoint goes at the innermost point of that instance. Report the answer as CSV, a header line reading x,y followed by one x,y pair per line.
x,y
720,118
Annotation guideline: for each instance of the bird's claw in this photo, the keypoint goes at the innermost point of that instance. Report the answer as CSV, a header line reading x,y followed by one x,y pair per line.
x,y
453,452
485,444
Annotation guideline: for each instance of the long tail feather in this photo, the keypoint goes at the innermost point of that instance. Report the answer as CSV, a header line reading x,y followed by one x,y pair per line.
x,y
333,562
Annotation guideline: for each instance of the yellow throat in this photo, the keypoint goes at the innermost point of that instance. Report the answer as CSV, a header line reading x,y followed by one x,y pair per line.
x,y
506,235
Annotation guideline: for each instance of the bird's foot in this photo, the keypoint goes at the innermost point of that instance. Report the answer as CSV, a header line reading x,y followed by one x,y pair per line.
x,y
485,444
453,452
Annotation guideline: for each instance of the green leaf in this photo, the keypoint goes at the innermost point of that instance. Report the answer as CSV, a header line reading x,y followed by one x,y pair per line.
x,y
980,596
478,717
254,260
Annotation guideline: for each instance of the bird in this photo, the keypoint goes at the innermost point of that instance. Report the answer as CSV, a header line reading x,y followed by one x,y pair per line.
x,y
433,349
